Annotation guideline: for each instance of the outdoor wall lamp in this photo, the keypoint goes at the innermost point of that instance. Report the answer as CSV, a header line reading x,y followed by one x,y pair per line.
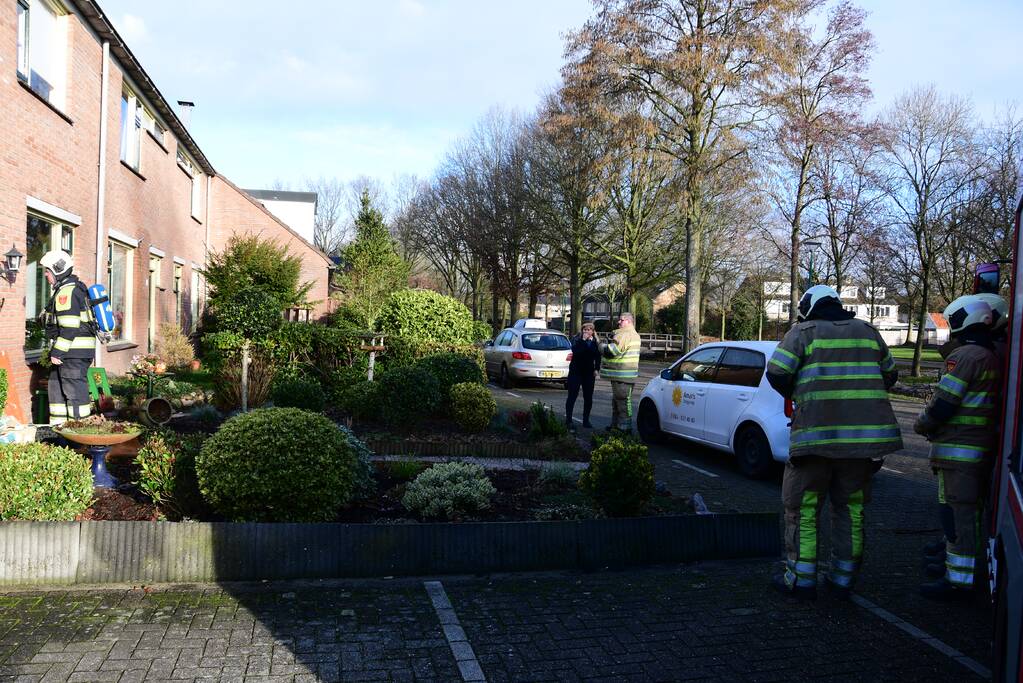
x,y
12,264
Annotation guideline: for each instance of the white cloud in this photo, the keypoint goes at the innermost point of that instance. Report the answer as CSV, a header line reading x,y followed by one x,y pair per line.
x,y
133,29
411,9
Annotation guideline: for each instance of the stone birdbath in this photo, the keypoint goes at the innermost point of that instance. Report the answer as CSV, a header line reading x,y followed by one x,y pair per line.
x,y
99,435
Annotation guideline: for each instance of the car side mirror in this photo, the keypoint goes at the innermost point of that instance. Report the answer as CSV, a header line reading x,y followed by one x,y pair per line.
x,y
488,343
666,373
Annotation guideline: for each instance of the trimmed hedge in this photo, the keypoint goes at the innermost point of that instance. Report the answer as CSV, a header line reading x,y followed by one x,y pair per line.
x,y
472,406
449,490
408,395
41,482
277,465
426,315
620,478
452,368
298,392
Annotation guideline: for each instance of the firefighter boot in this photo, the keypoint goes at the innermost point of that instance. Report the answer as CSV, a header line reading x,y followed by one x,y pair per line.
x,y
801,592
935,570
944,590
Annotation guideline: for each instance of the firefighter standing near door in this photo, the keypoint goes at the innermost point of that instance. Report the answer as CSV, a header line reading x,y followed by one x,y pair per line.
x,y
960,424
837,370
70,328
621,367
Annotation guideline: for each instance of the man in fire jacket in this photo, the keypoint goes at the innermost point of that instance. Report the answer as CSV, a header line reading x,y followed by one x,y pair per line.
x,y
837,370
69,326
960,424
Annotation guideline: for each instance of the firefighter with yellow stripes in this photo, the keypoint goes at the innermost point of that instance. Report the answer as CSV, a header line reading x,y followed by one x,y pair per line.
x,y
960,424
71,331
837,370
621,368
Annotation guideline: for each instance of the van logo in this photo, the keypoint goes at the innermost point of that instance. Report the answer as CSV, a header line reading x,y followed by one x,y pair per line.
x,y
676,396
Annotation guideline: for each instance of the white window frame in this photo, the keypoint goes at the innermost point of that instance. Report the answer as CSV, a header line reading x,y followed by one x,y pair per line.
x,y
56,96
59,228
194,292
131,129
191,169
127,325
24,17
179,276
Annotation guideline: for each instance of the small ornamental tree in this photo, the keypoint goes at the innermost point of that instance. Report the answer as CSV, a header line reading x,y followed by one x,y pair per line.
x,y
371,269
248,262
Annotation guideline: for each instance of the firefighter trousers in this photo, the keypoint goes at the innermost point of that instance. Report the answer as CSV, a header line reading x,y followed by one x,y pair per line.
x,y
961,504
808,481
621,405
68,389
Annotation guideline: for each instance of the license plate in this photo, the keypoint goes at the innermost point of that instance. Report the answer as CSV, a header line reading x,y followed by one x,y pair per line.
x,y
549,373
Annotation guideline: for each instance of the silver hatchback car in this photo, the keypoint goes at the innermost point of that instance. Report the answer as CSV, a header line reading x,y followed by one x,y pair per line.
x,y
528,350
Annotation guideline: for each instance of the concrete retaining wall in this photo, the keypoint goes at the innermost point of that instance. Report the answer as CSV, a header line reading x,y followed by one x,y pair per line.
x,y
167,552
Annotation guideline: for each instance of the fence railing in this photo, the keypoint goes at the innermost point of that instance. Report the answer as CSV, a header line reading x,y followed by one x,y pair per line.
x,y
663,343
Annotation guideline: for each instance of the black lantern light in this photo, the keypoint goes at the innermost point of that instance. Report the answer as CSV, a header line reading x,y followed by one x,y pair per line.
x,y
12,264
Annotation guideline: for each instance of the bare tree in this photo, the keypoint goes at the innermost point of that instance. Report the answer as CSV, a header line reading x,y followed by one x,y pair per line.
x,y
330,227
929,145
700,64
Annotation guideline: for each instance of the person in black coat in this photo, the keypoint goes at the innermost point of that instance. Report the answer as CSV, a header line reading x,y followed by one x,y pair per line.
x,y
582,370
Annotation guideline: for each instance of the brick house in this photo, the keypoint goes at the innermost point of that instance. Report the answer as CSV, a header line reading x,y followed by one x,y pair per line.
x,y
95,160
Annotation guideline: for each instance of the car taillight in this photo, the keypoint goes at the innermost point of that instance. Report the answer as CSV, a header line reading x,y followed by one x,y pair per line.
x,y
521,355
569,356
789,408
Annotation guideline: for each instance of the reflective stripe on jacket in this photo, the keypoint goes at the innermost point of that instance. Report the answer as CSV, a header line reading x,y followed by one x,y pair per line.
x,y
621,357
838,374
73,336
971,383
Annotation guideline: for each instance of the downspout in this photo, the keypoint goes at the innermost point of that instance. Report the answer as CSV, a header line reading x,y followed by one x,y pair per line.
x,y
206,255
101,198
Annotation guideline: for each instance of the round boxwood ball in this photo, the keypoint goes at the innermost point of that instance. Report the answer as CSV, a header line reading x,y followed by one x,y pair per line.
x,y
277,465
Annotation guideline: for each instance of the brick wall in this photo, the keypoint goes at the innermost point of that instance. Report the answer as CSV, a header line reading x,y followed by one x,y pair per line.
x,y
54,156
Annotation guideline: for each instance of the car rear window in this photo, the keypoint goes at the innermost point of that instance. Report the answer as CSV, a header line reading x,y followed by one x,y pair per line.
x,y
546,342
741,367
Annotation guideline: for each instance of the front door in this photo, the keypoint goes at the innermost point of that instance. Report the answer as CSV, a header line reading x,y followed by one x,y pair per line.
x,y
686,399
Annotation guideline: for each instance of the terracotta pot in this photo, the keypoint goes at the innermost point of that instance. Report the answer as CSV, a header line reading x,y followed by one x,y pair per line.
x,y
97,439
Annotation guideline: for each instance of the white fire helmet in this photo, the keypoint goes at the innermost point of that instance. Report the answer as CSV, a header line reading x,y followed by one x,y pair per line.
x,y
966,311
999,310
57,262
814,296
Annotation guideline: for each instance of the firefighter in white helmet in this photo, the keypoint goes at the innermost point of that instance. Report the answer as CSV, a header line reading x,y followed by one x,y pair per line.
x,y
960,424
70,329
999,323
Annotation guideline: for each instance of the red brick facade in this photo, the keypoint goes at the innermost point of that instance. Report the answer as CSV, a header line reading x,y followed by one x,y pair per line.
x,y
49,166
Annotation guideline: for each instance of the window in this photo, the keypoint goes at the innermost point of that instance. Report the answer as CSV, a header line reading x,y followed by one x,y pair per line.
x,y
190,168
699,366
741,367
119,282
194,300
150,123
42,46
41,234
881,311
131,127
546,342
178,274
785,307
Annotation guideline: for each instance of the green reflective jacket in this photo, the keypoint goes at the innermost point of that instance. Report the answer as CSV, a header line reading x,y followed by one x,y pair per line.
x,y
971,382
621,357
837,373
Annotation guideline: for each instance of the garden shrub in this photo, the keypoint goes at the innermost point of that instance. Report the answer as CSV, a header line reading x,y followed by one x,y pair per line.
x,y
364,483
405,469
481,331
3,390
249,261
620,478
558,475
41,482
174,347
228,394
277,465
166,463
298,392
407,395
472,406
449,490
402,352
451,369
425,315
362,400
251,313
544,423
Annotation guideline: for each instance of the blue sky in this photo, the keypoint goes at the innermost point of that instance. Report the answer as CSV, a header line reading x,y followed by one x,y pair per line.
x,y
344,88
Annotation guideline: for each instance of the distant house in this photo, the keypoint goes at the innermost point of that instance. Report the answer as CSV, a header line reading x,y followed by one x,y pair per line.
x,y
936,329
297,210
599,304
871,305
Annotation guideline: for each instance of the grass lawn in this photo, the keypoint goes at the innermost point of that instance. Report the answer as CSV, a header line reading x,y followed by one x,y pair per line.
x,y
906,353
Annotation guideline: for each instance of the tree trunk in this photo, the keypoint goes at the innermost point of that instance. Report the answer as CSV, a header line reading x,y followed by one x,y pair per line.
x,y
575,291
534,298
918,349
495,302
694,246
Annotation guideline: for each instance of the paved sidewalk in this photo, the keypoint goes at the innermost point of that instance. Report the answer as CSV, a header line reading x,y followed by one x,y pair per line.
x,y
709,622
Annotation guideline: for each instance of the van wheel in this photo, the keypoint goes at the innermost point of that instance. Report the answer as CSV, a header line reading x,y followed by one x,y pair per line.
x,y
648,424
506,379
753,452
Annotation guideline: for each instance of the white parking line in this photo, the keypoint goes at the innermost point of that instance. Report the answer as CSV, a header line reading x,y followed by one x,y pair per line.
x,y
693,467
924,637
511,393
468,665
577,420
889,469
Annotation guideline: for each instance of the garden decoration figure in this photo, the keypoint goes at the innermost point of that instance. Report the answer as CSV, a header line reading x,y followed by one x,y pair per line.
x,y
69,326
